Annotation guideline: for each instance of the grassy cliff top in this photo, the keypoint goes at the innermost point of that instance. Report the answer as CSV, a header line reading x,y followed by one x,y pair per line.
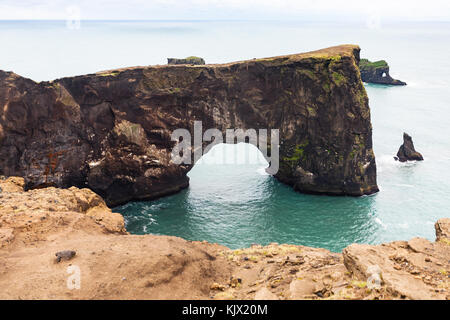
x,y
366,64
327,53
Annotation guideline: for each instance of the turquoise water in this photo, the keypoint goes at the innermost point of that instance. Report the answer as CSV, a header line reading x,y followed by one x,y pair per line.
x,y
237,205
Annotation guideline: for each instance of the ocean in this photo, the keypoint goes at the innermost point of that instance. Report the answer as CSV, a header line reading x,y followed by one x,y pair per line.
x,y
237,205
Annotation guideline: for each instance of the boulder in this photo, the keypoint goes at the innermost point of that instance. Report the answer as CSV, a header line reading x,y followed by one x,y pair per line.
x,y
414,269
65,255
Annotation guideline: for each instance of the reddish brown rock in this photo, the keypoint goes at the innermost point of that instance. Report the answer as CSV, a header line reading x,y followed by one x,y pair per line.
x,y
36,224
415,269
442,227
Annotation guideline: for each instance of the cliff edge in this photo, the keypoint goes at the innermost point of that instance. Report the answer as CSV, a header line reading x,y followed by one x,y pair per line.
x,y
35,225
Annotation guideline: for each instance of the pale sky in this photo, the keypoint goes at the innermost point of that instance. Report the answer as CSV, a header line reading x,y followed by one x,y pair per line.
x,y
431,10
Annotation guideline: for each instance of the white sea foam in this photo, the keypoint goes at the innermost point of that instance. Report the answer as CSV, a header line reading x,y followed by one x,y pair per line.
x,y
404,185
377,220
386,162
262,171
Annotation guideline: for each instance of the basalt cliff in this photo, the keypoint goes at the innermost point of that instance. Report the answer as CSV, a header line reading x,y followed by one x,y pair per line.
x,y
111,131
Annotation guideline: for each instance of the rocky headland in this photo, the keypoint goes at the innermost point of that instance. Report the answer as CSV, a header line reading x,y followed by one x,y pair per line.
x,y
111,131
377,72
45,231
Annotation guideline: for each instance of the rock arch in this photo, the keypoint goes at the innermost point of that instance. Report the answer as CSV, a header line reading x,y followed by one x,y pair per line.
x,y
111,131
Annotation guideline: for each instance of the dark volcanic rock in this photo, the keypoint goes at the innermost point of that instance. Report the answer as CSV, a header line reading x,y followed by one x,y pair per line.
x,y
65,255
407,151
377,72
110,131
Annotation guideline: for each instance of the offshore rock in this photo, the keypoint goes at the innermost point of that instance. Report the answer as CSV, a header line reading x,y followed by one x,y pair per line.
x,y
111,131
407,151
377,72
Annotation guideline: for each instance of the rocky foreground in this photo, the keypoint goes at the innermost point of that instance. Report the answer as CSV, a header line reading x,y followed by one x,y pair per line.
x,y
36,224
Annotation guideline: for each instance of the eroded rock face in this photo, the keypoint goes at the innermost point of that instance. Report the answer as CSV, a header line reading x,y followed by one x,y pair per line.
x,y
110,131
407,152
35,214
415,269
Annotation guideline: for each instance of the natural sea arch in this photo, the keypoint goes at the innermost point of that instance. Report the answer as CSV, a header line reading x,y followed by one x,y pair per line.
x,y
111,131
232,201
234,154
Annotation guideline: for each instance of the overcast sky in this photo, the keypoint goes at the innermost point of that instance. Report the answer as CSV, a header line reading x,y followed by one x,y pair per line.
x,y
434,10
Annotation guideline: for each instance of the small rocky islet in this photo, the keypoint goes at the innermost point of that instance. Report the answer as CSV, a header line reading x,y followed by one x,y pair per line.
x,y
407,152
377,72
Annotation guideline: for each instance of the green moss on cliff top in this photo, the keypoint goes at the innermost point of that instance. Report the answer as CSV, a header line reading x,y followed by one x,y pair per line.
x,y
192,60
195,60
109,74
366,64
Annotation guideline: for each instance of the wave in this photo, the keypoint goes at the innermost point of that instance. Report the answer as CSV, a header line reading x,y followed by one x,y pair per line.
x,y
387,161
262,171
377,220
403,185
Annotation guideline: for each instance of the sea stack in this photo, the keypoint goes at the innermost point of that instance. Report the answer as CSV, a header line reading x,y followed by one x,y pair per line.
x,y
377,72
407,151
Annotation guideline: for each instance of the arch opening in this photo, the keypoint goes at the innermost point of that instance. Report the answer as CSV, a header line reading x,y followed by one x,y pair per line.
x,y
242,153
